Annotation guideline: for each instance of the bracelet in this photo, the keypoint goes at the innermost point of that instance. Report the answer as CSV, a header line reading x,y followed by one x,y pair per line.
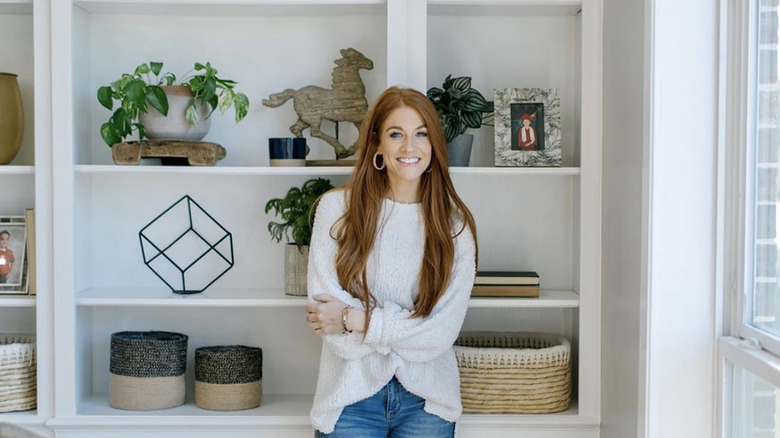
x,y
344,316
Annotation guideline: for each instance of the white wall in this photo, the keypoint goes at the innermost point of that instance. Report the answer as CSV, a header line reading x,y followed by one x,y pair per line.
x,y
624,114
680,288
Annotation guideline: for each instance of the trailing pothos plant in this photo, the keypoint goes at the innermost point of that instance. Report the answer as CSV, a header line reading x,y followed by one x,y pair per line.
x,y
459,106
143,89
296,211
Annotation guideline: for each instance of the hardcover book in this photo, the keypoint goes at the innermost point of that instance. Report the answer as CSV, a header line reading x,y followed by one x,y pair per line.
x,y
507,277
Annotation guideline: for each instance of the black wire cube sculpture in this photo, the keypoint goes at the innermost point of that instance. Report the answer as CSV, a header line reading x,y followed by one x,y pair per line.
x,y
186,247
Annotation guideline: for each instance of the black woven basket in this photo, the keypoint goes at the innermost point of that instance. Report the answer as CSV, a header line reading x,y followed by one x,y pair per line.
x,y
228,377
147,370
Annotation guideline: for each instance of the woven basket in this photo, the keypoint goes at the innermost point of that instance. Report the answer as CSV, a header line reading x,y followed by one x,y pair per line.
x,y
18,381
147,370
518,373
11,431
228,378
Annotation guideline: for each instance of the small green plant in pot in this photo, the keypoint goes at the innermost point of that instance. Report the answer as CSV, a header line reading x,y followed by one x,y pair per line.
x,y
297,215
193,98
460,107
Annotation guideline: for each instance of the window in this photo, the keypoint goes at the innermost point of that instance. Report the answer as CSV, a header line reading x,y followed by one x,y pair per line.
x,y
750,347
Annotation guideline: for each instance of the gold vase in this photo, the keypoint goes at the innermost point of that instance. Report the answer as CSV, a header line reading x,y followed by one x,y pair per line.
x,y
11,117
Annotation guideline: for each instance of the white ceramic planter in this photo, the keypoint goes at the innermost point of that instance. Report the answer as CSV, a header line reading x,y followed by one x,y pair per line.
x,y
175,126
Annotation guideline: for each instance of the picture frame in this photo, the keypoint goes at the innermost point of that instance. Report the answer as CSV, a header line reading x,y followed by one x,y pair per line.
x,y
527,127
14,274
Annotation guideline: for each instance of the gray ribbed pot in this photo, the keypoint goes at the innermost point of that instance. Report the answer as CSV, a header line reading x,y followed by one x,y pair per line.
x,y
175,126
459,150
295,269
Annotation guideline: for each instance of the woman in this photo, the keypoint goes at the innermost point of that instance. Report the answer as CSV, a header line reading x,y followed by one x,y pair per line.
x,y
391,266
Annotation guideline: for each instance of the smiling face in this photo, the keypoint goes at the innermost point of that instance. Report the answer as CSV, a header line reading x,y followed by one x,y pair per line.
x,y
4,238
405,148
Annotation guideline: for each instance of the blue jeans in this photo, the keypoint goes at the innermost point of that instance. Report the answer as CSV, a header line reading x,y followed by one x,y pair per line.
x,y
393,412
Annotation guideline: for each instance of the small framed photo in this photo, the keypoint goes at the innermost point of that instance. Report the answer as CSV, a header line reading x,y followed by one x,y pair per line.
x,y
13,257
527,127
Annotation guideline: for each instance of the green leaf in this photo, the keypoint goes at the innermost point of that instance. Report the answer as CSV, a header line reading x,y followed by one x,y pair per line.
x,y
225,101
463,84
454,93
104,96
452,127
199,66
241,102
170,79
156,67
142,69
226,83
157,99
136,92
473,101
447,82
191,114
471,119
122,123
209,88
122,83
109,134
197,84
141,130
434,93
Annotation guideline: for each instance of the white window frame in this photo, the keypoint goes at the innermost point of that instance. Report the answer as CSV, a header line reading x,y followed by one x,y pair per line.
x,y
739,344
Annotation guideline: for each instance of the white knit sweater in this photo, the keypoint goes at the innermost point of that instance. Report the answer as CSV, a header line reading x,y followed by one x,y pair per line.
x,y
418,351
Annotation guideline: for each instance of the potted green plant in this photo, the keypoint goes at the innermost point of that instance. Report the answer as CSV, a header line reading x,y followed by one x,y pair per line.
x,y
460,107
147,96
297,214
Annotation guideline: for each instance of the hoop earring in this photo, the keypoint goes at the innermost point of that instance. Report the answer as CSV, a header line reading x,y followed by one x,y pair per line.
x,y
375,165
428,170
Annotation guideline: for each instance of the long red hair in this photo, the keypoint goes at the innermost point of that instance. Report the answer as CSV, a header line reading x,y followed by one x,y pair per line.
x,y
366,189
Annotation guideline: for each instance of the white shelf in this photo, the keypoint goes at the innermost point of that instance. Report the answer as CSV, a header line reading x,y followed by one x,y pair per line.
x,y
16,170
235,8
17,301
26,417
504,7
140,297
16,7
559,171
547,299
276,410
567,418
137,297
210,170
91,169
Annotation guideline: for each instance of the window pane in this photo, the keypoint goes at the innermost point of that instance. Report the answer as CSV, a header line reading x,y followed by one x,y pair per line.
x,y
754,407
764,313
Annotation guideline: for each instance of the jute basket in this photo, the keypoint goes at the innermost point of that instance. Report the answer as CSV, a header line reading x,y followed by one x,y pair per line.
x,y
518,373
18,368
147,370
11,431
229,377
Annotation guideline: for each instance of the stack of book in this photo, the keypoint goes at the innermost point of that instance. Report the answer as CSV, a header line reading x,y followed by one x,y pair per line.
x,y
506,284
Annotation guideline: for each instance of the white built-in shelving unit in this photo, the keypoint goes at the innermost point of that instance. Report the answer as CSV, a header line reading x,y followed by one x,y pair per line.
x,y
26,183
94,283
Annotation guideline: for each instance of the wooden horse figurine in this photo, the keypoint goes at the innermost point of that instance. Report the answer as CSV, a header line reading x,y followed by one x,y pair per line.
x,y
346,102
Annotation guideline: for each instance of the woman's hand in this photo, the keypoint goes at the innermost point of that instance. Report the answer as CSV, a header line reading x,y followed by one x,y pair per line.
x,y
324,316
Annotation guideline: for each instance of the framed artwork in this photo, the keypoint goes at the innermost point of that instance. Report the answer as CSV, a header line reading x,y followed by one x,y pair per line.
x,y
527,127
13,257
